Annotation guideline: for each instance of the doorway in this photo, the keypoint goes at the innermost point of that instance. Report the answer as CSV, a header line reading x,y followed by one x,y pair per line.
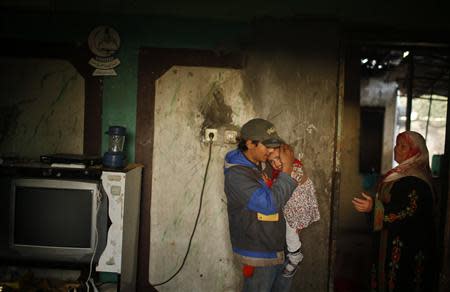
x,y
408,86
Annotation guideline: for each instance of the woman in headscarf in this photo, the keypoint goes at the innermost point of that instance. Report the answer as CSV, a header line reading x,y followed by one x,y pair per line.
x,y
403,220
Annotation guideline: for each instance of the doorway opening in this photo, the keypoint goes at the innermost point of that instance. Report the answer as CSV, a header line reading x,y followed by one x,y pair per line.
x,y
388,89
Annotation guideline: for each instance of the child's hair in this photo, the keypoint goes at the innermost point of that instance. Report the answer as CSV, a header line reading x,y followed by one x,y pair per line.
x,y
242,144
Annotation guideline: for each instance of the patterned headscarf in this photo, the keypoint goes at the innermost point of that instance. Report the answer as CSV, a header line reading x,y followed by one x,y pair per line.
x,y
417,162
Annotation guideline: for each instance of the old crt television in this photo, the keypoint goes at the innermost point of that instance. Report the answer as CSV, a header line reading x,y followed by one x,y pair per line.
x,y
56,220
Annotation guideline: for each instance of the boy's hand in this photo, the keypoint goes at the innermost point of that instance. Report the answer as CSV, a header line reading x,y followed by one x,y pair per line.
x,y
287,158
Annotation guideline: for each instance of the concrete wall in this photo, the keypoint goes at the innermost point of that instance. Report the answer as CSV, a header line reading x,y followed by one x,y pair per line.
x,y
42,108
296,89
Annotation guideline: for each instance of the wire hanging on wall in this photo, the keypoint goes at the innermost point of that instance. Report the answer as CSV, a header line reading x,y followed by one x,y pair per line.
x,y
196,219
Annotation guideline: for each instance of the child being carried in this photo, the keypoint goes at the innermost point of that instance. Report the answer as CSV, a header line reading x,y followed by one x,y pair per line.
x,y
299,212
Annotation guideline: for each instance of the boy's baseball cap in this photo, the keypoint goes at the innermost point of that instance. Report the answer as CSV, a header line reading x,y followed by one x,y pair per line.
x,y
261,130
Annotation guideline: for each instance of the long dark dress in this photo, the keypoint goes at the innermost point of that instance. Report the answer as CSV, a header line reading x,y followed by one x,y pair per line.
x,y
405,246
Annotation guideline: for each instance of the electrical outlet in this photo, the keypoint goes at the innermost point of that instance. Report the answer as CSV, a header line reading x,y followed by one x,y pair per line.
x,y
230,137
207,132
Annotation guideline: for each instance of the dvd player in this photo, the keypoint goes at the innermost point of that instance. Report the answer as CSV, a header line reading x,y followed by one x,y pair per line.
x,y
67,158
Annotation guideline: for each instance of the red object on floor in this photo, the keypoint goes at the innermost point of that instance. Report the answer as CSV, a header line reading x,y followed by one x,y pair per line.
x,y
248,271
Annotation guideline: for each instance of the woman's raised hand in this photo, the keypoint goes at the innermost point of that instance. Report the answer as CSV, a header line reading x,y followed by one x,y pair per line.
x,y
364,204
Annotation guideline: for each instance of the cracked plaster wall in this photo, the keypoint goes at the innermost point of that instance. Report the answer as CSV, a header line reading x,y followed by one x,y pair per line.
x,y
42,108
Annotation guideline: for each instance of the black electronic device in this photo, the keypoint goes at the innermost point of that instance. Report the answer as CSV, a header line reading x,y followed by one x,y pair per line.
x,y
52,220
66,158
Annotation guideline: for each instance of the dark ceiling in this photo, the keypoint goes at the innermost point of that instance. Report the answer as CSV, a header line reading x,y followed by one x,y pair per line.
x,y
430,74
426,70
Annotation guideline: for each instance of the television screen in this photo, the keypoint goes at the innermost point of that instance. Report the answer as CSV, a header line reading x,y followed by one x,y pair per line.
x,y
53,217
56,220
